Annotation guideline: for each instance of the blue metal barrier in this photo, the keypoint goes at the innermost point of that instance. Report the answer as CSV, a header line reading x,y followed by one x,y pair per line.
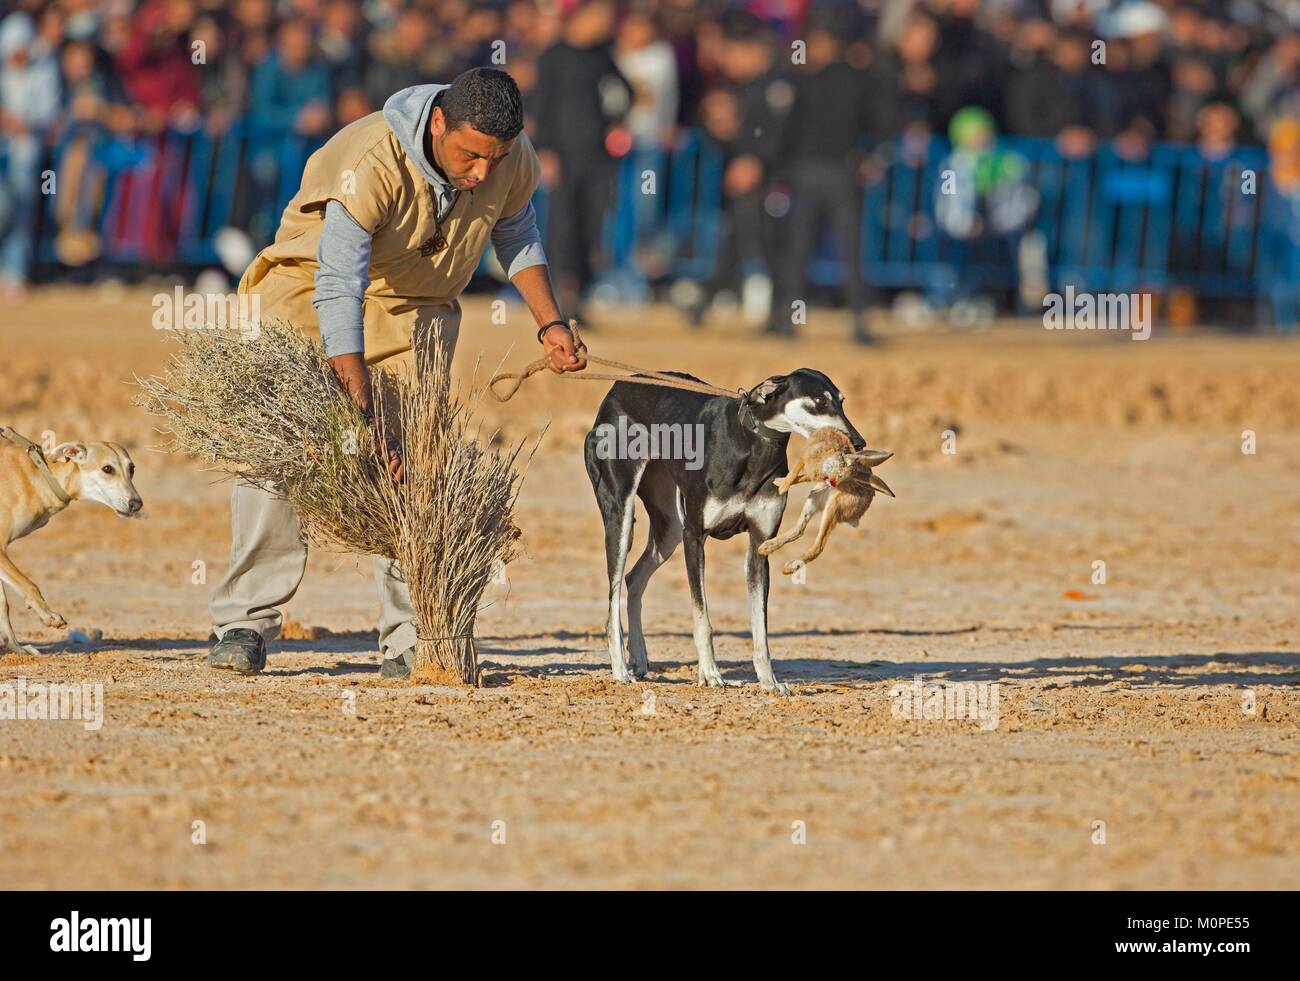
x,y
1109,224
187,181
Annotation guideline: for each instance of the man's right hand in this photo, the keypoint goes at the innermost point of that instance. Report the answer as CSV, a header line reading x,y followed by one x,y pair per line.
x,y
562,354
354,376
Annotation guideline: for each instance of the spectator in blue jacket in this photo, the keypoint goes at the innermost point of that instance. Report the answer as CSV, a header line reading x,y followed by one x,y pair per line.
x,y
290,92
289,95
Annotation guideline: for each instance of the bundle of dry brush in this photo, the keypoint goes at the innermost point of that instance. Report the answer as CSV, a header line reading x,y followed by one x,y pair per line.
x,y
268,410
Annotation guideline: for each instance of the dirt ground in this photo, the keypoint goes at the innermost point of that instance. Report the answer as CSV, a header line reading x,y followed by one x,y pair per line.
x,y
1147,735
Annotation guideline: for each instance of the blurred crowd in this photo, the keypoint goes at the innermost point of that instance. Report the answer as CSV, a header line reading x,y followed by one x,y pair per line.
x,y
788,89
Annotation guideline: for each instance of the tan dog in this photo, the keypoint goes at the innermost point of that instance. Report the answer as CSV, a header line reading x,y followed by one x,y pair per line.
x,y
846,491
34,487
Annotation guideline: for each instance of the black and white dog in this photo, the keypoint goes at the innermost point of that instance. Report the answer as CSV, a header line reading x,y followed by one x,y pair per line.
x,y
728,489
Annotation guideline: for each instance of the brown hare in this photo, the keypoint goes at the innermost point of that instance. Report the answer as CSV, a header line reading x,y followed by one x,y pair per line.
x,y
847,488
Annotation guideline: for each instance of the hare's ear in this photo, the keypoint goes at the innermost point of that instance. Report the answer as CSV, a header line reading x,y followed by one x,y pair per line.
x,y
875,483
870,458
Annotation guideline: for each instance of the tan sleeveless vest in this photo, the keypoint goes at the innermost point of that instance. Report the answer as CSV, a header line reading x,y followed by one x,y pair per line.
x,y
365,168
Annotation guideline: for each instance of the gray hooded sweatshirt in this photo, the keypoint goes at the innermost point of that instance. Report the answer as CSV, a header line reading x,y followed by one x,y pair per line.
x,y
344,251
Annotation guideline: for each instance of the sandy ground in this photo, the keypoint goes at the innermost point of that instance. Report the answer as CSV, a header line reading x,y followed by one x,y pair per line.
x,y
1147,735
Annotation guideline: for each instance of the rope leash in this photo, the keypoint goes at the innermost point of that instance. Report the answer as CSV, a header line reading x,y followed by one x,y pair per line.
x,y
639,376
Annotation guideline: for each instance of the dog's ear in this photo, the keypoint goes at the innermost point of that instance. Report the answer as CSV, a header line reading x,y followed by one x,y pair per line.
x,y
768,388
75,452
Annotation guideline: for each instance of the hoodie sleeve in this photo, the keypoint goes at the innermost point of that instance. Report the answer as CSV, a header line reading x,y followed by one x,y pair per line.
x,y
342,276
517,242
515,238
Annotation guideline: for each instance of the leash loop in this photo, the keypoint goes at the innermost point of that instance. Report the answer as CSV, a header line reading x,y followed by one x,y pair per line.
x,y
637,376
35,454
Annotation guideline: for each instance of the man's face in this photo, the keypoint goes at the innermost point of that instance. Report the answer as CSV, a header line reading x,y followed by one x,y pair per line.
x,y
464,155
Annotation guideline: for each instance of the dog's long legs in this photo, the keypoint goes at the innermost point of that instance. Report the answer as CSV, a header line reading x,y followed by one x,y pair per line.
x,y
618,540
11,574
757,579
693,545
8,640
659,494
810,506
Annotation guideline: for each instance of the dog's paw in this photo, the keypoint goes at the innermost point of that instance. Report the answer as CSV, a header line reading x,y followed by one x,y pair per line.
x,y
791,567
713,680
778,688
638,662
768,547
52,619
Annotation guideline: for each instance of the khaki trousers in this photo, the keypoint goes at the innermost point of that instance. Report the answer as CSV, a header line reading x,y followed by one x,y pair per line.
x,y
268,554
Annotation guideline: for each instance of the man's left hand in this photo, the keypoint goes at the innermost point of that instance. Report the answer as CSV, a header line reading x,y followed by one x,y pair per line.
x,y
561,353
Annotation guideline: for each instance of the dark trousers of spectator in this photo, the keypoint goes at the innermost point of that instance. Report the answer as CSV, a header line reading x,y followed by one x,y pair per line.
x,y
824,193
962,276
575,216
253,206
744,246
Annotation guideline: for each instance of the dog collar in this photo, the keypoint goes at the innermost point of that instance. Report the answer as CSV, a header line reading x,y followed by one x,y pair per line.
x,y
34,454
747,420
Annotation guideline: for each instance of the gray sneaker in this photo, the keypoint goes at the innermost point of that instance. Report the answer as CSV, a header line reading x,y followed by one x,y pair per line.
x,y
398,667
241,650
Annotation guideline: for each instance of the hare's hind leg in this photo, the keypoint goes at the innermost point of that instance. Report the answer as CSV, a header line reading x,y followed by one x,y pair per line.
x,y
815,500
830,518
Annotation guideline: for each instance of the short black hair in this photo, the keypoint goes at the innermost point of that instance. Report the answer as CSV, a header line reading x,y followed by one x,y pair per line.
x,y
487,99
743,26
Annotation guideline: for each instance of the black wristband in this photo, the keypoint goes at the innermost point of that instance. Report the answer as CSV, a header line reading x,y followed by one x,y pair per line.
x,y
547,326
